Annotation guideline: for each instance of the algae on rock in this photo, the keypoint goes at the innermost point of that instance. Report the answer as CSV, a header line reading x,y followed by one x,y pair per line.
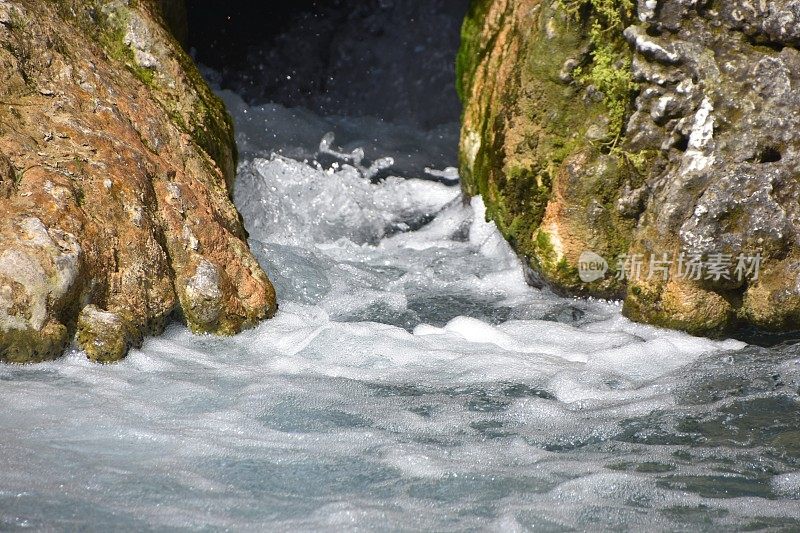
x,y
537,133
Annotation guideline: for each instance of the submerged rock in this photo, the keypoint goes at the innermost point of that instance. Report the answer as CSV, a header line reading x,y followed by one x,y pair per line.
x,y
116,167
664,134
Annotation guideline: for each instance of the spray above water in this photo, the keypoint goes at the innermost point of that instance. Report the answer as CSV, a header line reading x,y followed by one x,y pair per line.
x,y
355,158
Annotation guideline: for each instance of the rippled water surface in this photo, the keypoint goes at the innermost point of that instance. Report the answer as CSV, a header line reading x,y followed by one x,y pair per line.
x,y
410,380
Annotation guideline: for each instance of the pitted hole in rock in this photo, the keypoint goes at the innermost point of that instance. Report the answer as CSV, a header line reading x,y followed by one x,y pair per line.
x,y
769,154
682,144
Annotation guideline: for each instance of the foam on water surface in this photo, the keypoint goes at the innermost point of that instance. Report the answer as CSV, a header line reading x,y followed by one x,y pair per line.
x,y
411,379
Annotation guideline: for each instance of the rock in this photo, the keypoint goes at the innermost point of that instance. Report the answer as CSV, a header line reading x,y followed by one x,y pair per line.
x,y
705,164
8,177
104,336
649,47
116,168
531,140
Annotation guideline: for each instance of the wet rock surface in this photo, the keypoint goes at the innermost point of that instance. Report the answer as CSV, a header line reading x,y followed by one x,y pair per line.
x,y
723,113
705,166
532,141
116,163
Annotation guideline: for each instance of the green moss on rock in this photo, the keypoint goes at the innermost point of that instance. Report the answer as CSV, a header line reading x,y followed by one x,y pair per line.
x,y
104,336
546,90
33,346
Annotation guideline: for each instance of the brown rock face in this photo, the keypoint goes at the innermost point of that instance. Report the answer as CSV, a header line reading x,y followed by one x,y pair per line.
x,y
116,163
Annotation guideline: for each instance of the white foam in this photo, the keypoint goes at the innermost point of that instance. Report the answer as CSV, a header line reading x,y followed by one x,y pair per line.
x,y
787,485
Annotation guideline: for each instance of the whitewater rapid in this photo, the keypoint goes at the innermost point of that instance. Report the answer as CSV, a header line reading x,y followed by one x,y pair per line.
x,y
411,379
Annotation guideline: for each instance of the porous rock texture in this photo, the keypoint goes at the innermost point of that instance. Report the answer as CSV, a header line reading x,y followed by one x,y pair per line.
x,y
116,167
706,160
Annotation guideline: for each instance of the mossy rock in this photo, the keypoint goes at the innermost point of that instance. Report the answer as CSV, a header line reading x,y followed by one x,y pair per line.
x,y
537,138
597,125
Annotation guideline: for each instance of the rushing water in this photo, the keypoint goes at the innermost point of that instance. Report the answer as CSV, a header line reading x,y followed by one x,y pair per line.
x,y
410,380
